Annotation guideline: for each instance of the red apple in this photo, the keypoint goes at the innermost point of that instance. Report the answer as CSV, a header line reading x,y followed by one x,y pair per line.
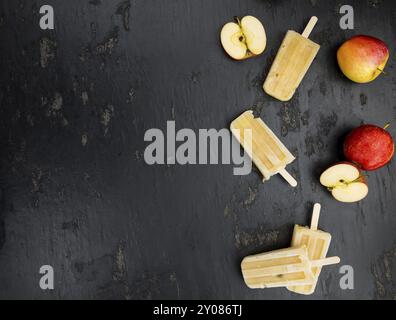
x,y
362,58
369,146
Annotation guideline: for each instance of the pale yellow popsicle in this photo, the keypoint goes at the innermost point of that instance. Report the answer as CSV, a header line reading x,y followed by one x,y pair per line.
x,y
317,243
291,63
280,268
262,145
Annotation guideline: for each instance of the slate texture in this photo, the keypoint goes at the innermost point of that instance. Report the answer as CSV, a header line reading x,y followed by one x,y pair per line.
x,y
76,101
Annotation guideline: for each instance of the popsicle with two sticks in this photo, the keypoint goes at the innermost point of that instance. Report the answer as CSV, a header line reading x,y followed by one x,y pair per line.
x,y
317,243
264,148
280,268
291,63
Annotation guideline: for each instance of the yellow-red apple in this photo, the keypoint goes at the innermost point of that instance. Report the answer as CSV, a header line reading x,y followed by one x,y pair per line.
x,y
362,58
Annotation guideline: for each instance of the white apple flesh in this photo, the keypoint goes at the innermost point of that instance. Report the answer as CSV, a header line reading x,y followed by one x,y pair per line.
x,y
244,39
254,33
345,182
351,192
231,36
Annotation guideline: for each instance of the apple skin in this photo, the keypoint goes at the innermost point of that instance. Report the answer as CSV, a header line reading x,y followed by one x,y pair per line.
x,y
362,58
369,146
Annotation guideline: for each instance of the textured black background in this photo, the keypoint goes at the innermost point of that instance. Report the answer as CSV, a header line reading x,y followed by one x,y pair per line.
x,y
76,193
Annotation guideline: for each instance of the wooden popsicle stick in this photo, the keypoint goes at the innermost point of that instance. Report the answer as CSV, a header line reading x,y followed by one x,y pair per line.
x,y
325,261
315,216
288,177
308,29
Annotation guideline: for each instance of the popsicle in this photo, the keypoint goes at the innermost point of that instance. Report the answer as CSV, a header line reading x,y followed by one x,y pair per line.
x,y
291,63
264,148
317,243
280,268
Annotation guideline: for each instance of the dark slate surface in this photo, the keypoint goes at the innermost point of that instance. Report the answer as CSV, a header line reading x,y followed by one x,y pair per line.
x,y
76,193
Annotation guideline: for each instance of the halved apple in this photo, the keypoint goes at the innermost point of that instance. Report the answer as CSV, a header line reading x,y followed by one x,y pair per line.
x,y
345,182
243,39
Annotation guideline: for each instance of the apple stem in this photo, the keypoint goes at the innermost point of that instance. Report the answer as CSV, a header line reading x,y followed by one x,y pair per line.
x,y
237,19
361,175
382,71
387,126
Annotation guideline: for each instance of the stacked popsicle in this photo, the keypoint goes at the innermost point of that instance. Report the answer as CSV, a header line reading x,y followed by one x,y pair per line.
x,y
317,243
297,267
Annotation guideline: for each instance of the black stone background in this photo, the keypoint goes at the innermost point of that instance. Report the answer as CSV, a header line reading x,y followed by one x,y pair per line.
x,y
76,193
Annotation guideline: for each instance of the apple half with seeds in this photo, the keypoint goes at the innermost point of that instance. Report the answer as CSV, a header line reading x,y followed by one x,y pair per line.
x,y
244,38
345,182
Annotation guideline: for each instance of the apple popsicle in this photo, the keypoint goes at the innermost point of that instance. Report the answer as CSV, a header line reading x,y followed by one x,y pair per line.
x,y
264,148
291,63
317,243
280,268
